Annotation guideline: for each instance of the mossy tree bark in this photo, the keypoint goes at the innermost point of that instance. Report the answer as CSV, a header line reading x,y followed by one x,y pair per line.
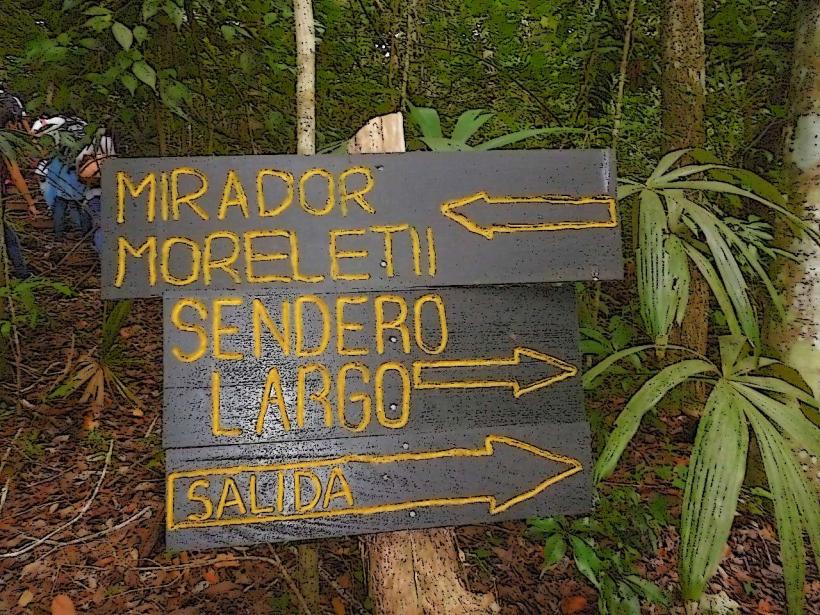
x,y
683,98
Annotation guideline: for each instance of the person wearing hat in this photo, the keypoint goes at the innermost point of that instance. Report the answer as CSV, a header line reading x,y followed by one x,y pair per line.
x,y
62,189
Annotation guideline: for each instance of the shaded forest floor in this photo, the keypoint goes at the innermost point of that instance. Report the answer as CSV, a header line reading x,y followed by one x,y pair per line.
x,y
99,539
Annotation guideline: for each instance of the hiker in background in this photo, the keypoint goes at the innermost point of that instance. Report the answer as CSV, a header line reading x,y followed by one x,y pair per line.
x,y
61,186
13,117
88,162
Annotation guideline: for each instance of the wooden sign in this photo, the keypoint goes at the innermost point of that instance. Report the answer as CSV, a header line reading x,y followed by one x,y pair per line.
x,y
358,222
288,417
364,343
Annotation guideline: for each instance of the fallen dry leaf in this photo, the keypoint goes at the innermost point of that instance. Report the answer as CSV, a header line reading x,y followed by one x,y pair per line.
x,y
571,605
338,606
25,598
62,605
211,576
765,607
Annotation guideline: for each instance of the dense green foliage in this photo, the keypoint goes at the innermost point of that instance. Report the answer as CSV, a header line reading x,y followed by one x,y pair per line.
x,y
202,76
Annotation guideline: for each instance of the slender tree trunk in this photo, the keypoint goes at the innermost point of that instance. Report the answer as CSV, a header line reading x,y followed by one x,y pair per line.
x,y
798,338
412,572
306,145
683,97
305,77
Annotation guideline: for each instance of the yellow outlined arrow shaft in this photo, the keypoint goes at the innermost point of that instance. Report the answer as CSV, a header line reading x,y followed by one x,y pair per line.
x,y
487,450
454,210
423,379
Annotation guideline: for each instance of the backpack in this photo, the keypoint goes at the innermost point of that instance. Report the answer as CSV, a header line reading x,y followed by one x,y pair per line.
x,y
11,109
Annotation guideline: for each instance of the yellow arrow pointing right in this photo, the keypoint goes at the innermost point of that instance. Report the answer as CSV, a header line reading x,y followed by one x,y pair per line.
x,y
434,374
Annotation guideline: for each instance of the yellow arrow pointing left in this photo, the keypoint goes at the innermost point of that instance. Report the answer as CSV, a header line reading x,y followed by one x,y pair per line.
x,y
515,214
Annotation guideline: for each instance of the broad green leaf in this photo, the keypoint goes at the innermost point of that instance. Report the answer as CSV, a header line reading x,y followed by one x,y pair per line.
x,y
758,185
520,135
427,120
788,490
778,385
149,9
468,124
731,349
685,171
130,82
662,270
727,188
716,471
586,560
642,402
122,34
718,289
97,11
443,144
731,275
555,548
666,163
787,416
600,368
627,190
140,34
145,73
650,590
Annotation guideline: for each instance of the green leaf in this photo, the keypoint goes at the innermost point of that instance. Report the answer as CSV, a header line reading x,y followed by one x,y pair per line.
x,y
521,135
96,10
713,231
651,592
666,163
793,500
586,560
600,368
716,284
555,548
716,471
642,402
727,188
427,120
443,144
788,416
149,9
228,32
122,34
143,71
140,34
778,385
468,124
627,190
130,82
662,270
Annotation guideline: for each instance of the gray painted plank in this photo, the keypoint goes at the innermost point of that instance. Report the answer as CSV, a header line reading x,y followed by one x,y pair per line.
x,y
495,218
483,323
390,487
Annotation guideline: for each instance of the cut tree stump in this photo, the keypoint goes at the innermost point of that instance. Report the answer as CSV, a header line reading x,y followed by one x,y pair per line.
x,y
412,572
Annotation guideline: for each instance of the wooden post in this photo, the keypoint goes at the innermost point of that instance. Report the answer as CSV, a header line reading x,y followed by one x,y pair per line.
x,y
412,572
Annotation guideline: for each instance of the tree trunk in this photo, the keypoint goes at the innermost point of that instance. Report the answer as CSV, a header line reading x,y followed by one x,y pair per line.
x,y
306,145
412,572
683,97
798,338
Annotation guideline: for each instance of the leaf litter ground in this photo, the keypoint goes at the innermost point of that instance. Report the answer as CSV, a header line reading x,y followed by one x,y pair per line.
x,y
108,555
